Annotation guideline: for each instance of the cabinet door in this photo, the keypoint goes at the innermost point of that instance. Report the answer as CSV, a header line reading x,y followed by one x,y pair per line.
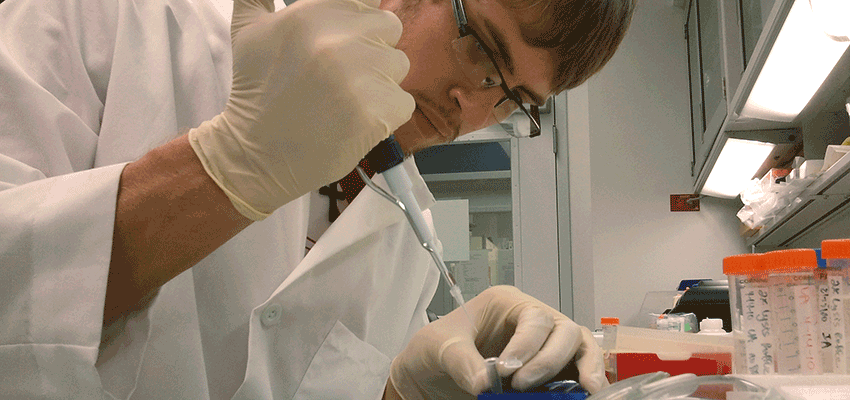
x,y
707,76
695,73
754,14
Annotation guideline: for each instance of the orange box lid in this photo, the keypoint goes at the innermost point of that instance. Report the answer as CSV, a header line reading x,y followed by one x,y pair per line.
x,y
835,248
792,260
743,264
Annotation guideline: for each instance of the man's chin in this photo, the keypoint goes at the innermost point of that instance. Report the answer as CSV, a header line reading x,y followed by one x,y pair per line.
x,y
412,141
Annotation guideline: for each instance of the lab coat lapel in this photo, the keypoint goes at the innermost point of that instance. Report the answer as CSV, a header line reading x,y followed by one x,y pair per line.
x,y
366,215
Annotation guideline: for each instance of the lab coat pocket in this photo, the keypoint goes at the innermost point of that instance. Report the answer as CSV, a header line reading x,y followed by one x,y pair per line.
x,y
345,367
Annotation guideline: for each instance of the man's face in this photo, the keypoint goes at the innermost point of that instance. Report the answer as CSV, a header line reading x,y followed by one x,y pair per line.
x,y
447,104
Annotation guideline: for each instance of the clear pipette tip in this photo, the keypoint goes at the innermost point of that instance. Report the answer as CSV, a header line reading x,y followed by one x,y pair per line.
x,y
454,289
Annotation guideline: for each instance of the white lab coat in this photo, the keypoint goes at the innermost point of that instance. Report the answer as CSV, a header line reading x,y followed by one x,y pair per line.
x,y
88,85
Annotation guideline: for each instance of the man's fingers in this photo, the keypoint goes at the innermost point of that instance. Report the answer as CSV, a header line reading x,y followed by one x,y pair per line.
x,y
460,359
591,363
371,22
533,326
245,11
560,346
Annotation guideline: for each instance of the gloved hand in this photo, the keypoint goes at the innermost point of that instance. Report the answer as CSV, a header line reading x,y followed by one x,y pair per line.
x,y
445,359
315,87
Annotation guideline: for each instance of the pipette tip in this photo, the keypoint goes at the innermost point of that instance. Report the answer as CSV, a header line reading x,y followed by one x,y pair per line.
x,y
458,296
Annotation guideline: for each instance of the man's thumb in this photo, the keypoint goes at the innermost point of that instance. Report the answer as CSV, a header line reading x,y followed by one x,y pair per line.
x,y
245,11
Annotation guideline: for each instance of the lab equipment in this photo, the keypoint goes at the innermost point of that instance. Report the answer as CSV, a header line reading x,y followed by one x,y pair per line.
x,y
609,343
712,326
750,308
386,158
492,364
837,256
679,322
654,304
708,299
635,351
609,332
793,294
660,385
558,389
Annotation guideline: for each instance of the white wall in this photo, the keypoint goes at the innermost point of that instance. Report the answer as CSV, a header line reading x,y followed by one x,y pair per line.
x,y
629,148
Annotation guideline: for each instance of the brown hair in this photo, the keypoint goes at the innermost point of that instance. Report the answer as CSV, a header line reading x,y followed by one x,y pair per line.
x,y
582,34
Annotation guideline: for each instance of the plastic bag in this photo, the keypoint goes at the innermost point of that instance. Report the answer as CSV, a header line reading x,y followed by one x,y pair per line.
x,y
660,385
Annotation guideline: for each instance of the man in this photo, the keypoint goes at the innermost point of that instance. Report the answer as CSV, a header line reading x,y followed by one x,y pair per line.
x,y
132,263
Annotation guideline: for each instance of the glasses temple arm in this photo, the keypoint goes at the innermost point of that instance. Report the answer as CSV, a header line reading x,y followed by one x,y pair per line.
x,y
460,18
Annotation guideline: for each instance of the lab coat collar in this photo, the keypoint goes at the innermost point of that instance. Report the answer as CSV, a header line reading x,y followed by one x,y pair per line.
x,y
366,215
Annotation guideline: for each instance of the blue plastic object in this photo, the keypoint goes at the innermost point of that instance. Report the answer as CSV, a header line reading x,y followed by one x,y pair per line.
x,y
689,283
533,396
821,261
557,390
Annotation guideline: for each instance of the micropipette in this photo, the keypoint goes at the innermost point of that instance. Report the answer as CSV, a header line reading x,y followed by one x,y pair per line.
x,y
387,158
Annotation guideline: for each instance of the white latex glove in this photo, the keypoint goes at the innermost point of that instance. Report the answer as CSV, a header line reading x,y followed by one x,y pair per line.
x,y
445,359
315,87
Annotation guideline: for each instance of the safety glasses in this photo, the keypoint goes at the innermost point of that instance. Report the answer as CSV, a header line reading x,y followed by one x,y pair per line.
x,y
479,66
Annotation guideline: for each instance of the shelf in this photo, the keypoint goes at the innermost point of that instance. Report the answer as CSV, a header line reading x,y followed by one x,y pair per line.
x,y
826,197
467,176
487,191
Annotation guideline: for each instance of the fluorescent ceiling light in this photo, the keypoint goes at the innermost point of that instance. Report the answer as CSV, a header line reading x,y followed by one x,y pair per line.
x,y
801,58
738,162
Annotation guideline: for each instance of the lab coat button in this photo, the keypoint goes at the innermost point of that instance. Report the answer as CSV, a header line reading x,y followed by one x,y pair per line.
x,y
271,314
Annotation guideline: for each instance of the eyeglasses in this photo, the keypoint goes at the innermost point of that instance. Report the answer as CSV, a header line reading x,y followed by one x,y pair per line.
x,y
477,62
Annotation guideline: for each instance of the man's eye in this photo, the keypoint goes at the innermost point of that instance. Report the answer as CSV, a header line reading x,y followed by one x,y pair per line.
x,y
489,82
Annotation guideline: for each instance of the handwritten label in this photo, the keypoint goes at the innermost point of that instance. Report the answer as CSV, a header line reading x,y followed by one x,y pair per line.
x,y
784,327
824,324
760,353
839,311
807,328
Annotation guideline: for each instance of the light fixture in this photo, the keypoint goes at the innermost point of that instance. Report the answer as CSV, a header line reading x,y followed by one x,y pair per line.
x,y
737,164
745,155
799,61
